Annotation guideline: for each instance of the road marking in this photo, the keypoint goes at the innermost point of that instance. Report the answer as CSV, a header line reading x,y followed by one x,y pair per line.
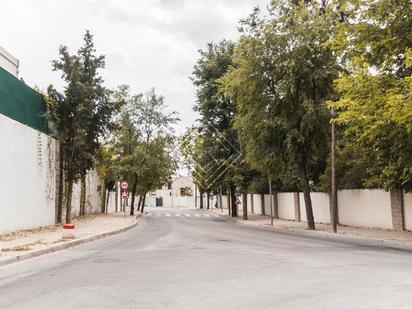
x,y
167,214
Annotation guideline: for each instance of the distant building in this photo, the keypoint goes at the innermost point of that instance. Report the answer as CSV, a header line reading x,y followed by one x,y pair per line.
x,y
8,62
179,193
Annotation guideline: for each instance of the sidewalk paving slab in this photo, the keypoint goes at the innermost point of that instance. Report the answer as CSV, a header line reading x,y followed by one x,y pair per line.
x,y
21,245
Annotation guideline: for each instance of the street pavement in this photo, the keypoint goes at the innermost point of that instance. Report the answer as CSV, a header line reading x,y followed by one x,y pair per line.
x,y
195,259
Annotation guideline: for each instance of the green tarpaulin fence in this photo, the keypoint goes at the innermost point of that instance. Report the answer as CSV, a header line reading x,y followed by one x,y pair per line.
x,y
21,103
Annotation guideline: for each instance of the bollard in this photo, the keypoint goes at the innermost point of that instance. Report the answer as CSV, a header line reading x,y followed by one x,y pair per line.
x,y
68,231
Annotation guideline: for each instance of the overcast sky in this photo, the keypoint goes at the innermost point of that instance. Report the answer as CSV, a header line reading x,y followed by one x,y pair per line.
x,y
147,43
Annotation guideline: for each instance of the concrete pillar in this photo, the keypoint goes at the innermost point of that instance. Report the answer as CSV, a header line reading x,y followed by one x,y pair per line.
x,y
296,202
398,219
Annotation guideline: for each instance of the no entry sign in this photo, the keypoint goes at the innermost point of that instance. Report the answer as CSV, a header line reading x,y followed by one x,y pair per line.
x,y
124,185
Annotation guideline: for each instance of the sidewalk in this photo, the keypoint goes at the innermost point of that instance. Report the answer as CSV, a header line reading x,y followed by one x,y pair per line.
x,y
30,241
387,238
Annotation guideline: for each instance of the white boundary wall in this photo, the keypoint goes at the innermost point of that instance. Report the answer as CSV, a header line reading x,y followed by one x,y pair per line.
x,y
27,177
360,208
93,200
365,208
408,211
286,208
320,205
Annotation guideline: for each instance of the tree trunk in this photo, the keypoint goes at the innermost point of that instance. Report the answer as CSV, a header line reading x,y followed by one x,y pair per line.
x,y
69,192
107,202
195,196
244,202
306,195
220,200
116,196
82,195
103,198
233,201
201,198
59,214
139,203
134,187
262,204
208,200
275,205
143,202
228,202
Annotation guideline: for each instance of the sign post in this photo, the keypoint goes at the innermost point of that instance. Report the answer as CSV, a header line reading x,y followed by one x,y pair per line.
x,y
124,185
125,196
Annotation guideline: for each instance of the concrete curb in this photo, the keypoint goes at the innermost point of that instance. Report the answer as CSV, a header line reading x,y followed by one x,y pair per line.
x,y
65,245
327,236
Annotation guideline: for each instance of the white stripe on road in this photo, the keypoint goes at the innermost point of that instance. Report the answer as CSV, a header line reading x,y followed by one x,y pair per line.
x,y
166,214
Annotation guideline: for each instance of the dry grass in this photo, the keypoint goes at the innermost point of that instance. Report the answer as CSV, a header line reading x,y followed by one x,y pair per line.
x,y
25,247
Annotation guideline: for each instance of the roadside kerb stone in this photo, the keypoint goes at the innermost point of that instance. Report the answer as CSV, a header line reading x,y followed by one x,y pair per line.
x,y
65,245
347,239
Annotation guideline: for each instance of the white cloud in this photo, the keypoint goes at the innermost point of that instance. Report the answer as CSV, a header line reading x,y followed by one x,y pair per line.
x,y
147,43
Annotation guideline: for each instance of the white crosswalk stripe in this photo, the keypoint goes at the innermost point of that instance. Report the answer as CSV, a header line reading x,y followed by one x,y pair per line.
x,y
186,215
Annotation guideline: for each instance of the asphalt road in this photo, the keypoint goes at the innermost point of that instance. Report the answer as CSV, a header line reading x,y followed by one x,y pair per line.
x,y
196,261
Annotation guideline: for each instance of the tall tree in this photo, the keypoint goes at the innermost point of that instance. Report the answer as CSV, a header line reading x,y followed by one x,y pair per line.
x,y
220,143
281,78
144,143
82,113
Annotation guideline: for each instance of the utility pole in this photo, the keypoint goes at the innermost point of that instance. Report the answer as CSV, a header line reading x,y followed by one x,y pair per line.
x,y
334,192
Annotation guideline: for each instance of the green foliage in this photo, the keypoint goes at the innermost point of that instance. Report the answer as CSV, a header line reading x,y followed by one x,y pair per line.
x,y
143,144
375,106
83,110
281,79
216,143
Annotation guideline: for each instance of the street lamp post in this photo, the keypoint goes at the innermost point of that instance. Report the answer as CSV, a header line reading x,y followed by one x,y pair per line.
x,y
334,193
